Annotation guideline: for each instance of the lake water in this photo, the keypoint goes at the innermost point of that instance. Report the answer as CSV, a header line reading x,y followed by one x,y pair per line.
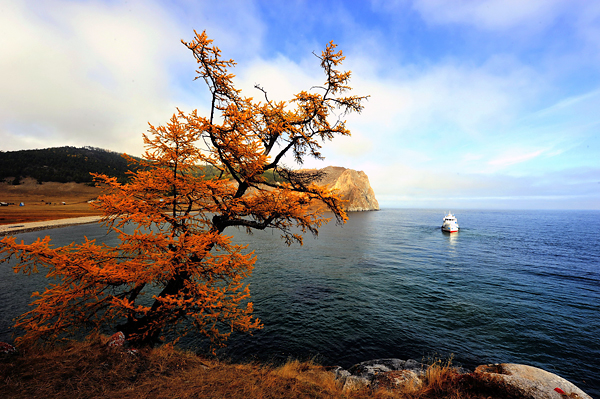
x,y
511,286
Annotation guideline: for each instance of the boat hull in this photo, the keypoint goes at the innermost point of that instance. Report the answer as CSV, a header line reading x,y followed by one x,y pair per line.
x,y
450,229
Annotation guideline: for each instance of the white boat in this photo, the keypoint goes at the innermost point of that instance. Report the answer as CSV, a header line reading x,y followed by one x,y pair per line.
x,y
450,223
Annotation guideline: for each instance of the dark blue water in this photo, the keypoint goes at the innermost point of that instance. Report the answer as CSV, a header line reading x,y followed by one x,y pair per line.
x,y
511,286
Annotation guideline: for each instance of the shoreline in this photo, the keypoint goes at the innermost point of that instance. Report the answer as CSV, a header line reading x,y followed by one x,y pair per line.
x,y
18,228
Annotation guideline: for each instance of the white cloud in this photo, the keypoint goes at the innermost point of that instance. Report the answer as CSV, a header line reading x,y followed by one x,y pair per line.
x,y
514,157
94,73
438,117
280,77
84,73
442,109
491,14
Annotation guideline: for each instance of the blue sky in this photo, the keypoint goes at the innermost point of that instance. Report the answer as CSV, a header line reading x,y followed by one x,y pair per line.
x,y
474,104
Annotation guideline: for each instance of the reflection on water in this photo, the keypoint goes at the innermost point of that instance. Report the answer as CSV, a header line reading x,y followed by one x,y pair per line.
x,y
452,239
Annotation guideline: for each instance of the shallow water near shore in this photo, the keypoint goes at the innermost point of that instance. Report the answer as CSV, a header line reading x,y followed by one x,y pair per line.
x,y
511,286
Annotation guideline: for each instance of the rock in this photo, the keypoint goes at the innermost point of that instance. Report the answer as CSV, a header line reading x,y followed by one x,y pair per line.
x,y
347,380
415,366
388,373
7,348
520,380
533,382
339,373
116,340
352,383
371,368
352,186
400,379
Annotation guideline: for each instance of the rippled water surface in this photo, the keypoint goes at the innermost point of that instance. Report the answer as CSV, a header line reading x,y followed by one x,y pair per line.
x,y
511,286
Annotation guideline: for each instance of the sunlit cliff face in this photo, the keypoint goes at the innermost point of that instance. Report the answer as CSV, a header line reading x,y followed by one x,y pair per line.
x,y
352,186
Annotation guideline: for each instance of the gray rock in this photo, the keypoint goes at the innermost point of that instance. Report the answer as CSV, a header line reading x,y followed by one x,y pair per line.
x,y
347,380
352,383
533,382
339,373
402,379
389,373
415,366
370,369
407,377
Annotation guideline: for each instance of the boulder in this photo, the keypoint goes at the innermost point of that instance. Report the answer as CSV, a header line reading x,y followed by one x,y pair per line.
x,y
388,373
533,382
400,379
372,368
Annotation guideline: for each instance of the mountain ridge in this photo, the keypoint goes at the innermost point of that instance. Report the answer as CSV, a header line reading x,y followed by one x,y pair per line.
x,y
62,164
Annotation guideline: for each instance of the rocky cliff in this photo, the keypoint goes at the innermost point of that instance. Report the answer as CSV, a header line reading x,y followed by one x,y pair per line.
x,y
352,186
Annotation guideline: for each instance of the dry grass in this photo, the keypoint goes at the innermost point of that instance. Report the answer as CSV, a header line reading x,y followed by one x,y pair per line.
x,y
44,201
439,378
91,370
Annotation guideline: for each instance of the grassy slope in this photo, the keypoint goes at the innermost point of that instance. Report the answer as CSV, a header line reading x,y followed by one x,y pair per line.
x,y
45,201
90,369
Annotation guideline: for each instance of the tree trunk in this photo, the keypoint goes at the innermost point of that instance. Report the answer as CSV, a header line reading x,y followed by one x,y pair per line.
x,y
137,331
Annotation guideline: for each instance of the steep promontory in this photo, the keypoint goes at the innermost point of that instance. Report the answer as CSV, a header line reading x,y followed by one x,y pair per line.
x,y
352,186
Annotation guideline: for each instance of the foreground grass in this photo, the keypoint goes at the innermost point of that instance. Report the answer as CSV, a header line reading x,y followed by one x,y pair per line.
x,y
91,370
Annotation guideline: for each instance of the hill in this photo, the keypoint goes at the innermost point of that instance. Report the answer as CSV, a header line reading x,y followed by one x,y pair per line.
x,y
61,164
352,186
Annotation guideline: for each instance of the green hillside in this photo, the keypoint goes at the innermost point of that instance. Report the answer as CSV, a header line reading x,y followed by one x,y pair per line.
x,y
62,164
71,164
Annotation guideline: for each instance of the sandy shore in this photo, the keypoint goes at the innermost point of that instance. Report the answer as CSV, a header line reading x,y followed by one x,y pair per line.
x,y
10,229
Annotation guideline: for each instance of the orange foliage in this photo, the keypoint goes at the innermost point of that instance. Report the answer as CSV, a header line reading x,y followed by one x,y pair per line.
x,y
178,250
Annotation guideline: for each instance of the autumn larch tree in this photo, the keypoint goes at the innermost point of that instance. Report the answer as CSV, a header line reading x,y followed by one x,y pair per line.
x,y
171,217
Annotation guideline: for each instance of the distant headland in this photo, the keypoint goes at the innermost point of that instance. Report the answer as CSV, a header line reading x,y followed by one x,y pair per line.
x,y
352,186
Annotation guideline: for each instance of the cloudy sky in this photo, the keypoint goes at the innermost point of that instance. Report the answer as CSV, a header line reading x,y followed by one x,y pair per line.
x,y
474,103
